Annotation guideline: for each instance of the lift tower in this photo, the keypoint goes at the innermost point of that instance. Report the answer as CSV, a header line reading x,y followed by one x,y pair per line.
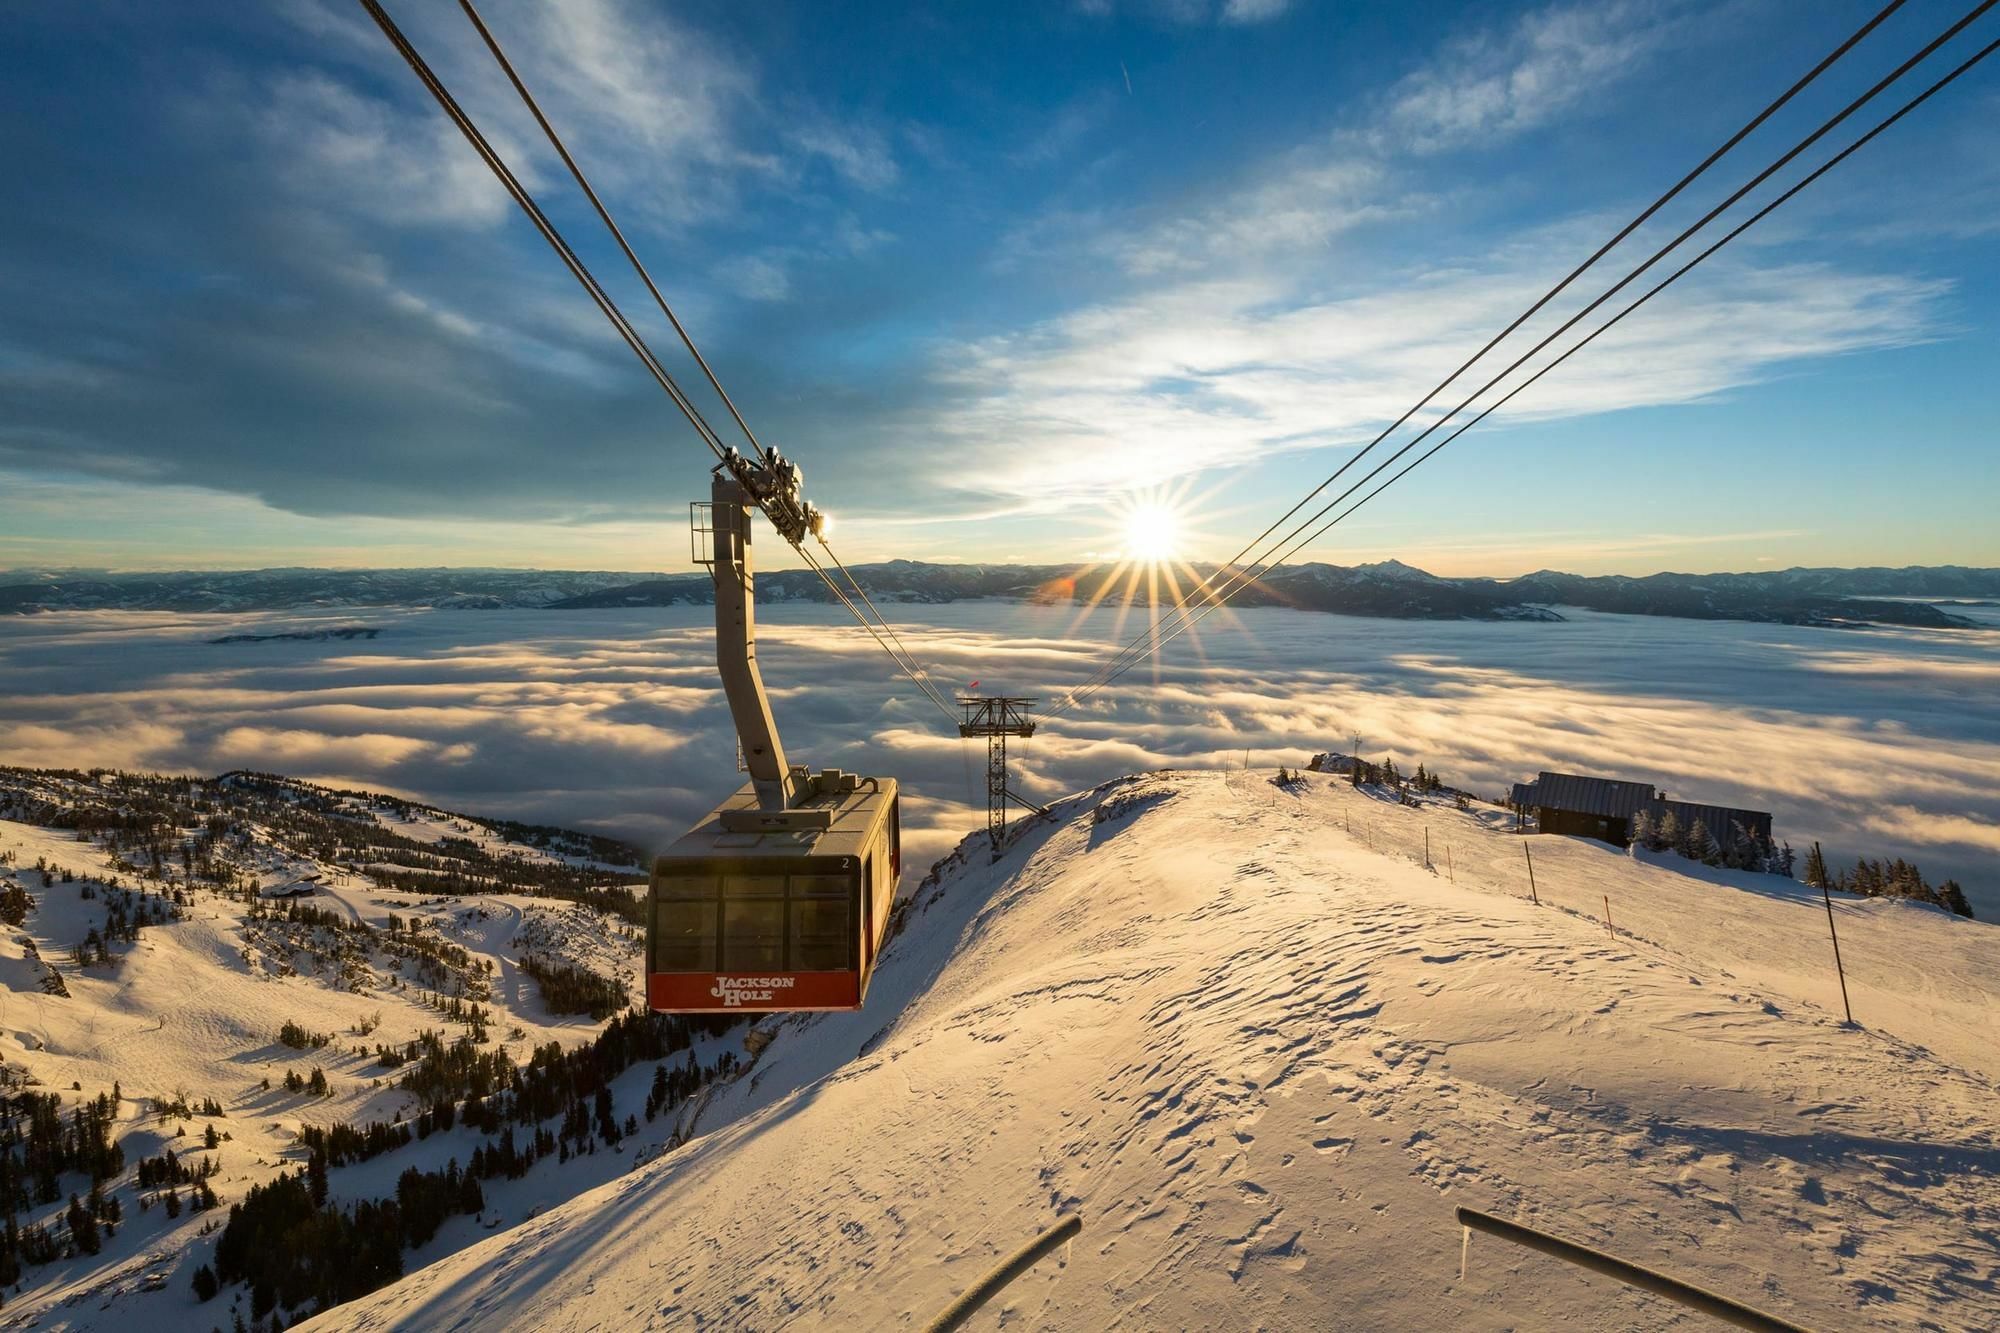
x,y
996,719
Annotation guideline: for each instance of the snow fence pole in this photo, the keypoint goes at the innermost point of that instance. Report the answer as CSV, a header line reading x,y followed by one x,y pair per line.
x,y
1609,929
989,1286
1827,898
1531,874
1684,1293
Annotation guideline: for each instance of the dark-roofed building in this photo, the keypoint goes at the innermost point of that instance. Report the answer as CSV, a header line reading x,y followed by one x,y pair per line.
x,y
1603,808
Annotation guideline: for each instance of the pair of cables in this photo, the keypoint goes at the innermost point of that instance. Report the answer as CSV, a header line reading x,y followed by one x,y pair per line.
x,y
854,596
1235,575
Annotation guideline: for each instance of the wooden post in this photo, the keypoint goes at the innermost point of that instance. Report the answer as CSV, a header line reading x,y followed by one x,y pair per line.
x,y
1827,898
1427,850
1447,864
1719,1308
1531,874
1608,927
989,1286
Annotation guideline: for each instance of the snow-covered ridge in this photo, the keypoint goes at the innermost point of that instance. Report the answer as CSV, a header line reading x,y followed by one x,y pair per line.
x,y
1262,1048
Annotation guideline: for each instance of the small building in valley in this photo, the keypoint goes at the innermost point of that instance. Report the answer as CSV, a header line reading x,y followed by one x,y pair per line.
x,y
1603,808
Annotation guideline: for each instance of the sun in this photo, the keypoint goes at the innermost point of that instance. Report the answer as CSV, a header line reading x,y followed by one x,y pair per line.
x,y
1152,534
1140,564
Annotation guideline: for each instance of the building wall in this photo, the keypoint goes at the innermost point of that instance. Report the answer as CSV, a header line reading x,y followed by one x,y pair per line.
x,y
1604,828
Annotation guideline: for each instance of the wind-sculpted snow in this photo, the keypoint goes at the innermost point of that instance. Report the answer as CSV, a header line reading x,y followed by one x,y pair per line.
x,y
1263,1052
1877,742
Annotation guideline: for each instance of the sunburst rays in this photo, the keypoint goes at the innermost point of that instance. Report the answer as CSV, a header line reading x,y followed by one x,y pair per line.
x,y
1154,532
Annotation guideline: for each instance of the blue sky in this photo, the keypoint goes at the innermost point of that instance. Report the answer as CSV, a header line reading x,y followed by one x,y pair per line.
x,y
988,272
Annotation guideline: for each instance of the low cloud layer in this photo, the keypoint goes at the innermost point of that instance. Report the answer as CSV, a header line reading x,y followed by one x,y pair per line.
x,y
1877,742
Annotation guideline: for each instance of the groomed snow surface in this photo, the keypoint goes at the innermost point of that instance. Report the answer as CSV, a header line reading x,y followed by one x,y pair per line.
x,y
1263,1051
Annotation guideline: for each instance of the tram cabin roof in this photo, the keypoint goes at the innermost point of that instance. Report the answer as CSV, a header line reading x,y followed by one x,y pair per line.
x,y
850,806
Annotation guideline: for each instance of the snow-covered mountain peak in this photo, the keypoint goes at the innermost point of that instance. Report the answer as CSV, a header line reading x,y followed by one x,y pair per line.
x,y
1262,1048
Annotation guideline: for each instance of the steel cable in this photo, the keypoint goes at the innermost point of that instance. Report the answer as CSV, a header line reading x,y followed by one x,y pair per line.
x,y
633,339
1675,276
562,151
1251,573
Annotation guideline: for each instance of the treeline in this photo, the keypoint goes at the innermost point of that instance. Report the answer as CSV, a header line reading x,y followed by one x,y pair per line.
x,y
1744,850
205,827
449,1073
340,1143
423,955
295,1249
568,989
168,1172
38,1145
126,912
15,903
1406,787
300,1038
1891,879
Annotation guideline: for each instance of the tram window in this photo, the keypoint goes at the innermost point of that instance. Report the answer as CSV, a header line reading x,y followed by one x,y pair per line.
x,y
753,886
822,934
896,837
684,936
753,931
685,886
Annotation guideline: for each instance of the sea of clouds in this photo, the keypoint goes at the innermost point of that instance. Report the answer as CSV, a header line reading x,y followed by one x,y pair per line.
x,y
1876,742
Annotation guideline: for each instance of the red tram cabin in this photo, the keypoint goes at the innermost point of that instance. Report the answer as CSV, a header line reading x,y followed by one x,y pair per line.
x,y
783,919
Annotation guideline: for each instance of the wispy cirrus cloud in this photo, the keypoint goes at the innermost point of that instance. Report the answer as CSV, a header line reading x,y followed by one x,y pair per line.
x,y
1191,376
858,152
1493,83
664,117
1254,324
1192,12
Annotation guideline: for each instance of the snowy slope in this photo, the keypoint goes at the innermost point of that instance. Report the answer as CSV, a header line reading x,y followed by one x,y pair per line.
x,y
1263,1051
194,1007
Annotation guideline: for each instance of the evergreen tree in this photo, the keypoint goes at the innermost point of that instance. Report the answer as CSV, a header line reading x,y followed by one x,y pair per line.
x,y
316,1177
1816,876
82,1226
1642,831
1699,845
1667,833
205,1285
1953,897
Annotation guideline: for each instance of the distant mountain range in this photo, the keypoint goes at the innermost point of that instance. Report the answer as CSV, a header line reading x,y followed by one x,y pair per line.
x,y
1831,597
